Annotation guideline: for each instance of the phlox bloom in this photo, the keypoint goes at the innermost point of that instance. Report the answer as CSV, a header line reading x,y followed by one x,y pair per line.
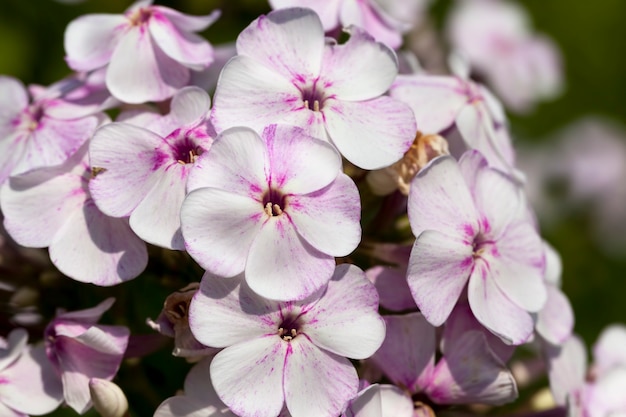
x,y
144,170
149,51
289,353
474,234
286,72
277,207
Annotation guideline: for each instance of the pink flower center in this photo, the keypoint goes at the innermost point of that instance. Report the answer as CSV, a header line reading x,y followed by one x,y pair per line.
x,y
274,203
482,245
289,328
140,17
313,98
184,148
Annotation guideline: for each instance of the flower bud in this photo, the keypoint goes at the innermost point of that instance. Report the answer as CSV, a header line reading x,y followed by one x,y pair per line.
x,y
108,399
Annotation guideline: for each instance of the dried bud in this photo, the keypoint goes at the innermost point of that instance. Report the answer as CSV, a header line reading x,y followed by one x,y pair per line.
x,y
108,399
424,149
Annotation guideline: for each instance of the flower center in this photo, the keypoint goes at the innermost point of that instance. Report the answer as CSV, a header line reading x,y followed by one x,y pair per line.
x,y
288,329
313,98
139,17
274,203
184,148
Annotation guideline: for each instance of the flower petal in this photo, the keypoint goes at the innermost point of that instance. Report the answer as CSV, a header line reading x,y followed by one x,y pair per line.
x,y
131,159
15,344
317,383
90,315
90,40
407,356
248,376
219,228
567,366
364,137
555,321
185,21
494,310
328,11
298,163
329,219
189,105
440,200
438,271
360,69
347,326
608,351
283,266
13,100
225,312
290,42
253,95
140,71
99,249
392,288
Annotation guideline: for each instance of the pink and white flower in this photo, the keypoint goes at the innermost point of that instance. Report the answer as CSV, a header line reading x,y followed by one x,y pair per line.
x,y
29,384
52,207
149,51
40,133
81,350
277,207
285,72
474,236
145,170
385,20
287,353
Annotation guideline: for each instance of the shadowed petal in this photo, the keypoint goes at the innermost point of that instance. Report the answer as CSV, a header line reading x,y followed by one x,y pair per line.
x,y
90,40
555,321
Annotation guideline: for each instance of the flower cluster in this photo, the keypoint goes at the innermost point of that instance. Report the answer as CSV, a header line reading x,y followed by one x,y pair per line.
x,y
308,305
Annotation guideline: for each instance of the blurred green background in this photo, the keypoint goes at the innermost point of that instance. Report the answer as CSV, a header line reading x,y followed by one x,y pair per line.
x,y
591,36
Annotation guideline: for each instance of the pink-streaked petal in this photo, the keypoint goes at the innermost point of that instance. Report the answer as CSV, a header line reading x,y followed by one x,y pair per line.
x,y
130,157
33,386
289,41
215,313
407,356
96,248
355,318
392,288
54,141
567,366
435,100
219,228
317,383
437,273
187,22
13,99
439,199
236,163
359,69
283,266
328,11
494,310
253,95
187,48
157,217
608,351
329,219
366,139
35,209
380,401
190,105
248,376
90,40
369,17
471,373
555,321
516,264
12,149
299,164
140,71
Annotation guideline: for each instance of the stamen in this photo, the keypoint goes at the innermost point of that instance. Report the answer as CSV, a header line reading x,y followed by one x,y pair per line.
x,y
268,211
277,210
316,105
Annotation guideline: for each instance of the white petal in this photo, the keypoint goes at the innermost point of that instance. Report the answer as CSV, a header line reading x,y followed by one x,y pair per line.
x,y
190,105
567,366
435,100
90,40
132,161
438,270
13,99
248,376
495,311
283,266
347,326
328,11
317,383
252,95
287,41
440,200
219,228
608,351
224,312
15,344
188,22
140,71
359,69
555,321
329,219
97,248
364,137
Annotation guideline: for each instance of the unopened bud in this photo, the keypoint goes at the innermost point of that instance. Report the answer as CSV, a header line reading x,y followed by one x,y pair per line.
x,y
108,399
